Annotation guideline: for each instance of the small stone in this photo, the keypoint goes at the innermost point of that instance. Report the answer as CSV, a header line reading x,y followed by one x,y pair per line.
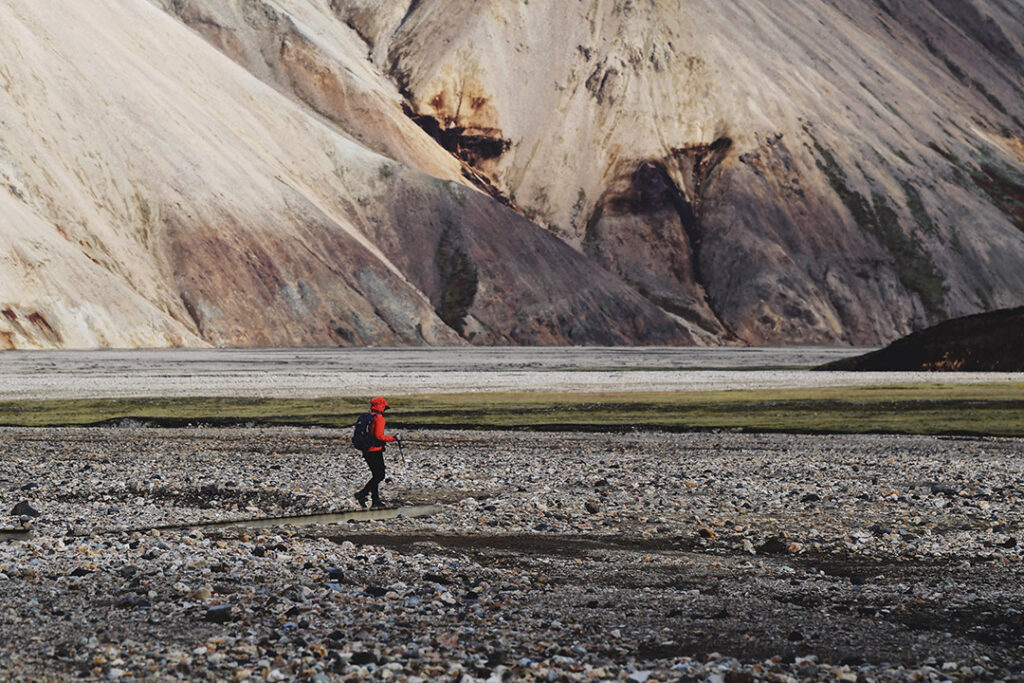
x,y
203,593
219,614
773,546
435,578
879,530
592,508
739,677
24,509
939,489
363,658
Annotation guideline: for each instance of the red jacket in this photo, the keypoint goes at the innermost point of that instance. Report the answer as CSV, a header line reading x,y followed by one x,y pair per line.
x,y
378,433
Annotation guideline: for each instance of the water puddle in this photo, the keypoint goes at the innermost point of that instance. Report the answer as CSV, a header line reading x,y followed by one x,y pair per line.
x,y
323,518
288,520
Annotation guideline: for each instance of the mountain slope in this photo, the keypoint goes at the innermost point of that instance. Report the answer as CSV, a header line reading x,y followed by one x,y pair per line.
x,y
201,206
985,342
795,171
319,172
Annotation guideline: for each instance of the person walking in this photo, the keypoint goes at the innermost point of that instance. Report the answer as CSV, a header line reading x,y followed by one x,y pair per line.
x,y
374,454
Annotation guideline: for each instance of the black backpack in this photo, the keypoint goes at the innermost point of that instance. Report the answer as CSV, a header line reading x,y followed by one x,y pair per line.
x,y
362,433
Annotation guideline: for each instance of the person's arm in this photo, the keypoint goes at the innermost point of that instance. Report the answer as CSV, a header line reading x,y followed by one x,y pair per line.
x,y
378,430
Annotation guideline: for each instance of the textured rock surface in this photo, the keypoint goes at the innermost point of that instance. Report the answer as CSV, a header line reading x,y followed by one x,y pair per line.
x,y
161,195
321,172
810,172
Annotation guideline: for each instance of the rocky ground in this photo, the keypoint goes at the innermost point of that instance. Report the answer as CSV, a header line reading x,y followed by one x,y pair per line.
x,y
635,557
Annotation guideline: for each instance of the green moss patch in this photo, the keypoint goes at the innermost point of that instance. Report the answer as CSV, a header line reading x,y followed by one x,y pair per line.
x,y
459,283
913,265
1005,188
985,409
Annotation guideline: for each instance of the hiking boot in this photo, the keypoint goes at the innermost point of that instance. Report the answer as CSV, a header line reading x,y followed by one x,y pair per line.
x,y
376,503
361,499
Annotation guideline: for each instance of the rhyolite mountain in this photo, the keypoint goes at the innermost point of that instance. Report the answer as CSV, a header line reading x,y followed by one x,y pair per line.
x,y
324,172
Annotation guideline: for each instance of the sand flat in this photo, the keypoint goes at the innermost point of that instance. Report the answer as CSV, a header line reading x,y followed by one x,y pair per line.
x,y
307,373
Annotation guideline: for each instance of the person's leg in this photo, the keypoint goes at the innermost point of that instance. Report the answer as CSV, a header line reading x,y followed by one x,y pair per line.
x,y
376,462
362,493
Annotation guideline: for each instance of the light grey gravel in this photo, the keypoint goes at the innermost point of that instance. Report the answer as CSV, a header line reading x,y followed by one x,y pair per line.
x,y
303,373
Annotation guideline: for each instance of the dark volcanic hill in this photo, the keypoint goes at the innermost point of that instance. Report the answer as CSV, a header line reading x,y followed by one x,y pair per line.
x,y
343,172
976,343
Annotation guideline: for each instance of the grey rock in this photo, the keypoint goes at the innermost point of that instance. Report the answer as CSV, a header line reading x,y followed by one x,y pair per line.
x,y
773,546
24,509
220,614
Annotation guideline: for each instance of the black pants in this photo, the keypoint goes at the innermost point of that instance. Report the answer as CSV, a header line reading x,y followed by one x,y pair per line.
x,y
375,461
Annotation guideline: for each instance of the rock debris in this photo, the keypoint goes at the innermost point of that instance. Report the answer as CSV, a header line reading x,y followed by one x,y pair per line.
x,y
637,557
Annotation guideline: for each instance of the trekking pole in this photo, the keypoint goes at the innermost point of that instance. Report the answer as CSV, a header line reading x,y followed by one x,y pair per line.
x,y
401,451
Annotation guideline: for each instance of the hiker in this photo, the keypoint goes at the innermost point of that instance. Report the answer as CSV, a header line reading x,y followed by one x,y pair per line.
x,y
374,454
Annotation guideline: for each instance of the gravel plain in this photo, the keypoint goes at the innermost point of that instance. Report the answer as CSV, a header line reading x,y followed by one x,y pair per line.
x,y
639,557
314,373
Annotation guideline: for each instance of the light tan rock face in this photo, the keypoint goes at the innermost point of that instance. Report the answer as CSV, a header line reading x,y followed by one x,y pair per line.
x,y
321,172
783,172
156,193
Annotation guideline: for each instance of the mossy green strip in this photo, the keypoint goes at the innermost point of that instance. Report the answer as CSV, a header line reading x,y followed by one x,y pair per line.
x,y
982,409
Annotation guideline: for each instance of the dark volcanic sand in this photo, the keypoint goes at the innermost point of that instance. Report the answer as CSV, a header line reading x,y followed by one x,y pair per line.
x,y
567,555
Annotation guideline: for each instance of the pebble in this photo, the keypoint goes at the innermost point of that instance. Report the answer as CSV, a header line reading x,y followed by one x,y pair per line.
x,y
23,509
219,614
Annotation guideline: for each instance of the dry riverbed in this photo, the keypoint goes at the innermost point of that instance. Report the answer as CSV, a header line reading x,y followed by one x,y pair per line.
x,y
351,372
636,557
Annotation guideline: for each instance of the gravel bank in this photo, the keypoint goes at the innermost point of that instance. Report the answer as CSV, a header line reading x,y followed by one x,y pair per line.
x,y
554,557
311,373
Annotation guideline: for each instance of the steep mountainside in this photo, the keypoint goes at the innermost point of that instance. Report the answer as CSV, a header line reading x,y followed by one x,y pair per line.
x,y
320,172
985,342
